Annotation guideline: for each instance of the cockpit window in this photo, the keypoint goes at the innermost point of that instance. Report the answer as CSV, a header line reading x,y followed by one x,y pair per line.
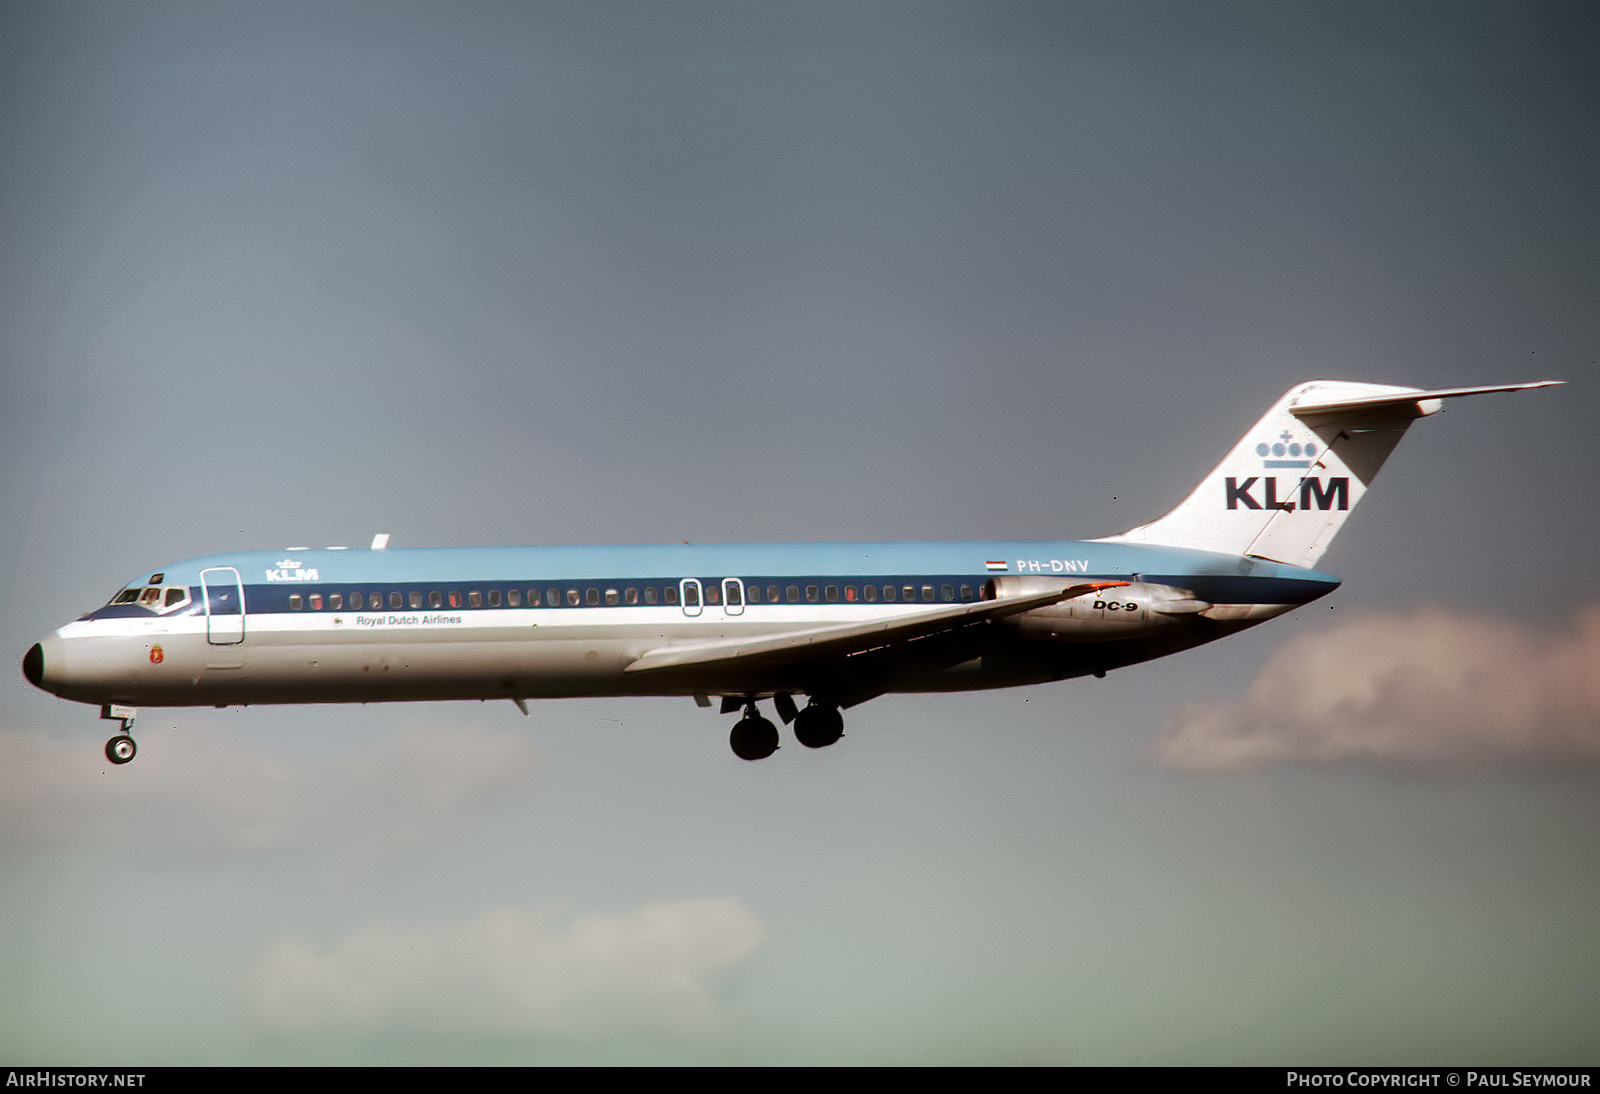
x,y
153,597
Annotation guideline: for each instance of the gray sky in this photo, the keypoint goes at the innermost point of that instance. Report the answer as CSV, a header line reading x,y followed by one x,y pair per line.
x,y
640,272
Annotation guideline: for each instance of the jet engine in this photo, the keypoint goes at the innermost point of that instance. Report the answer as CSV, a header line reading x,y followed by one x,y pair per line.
x,y
1126,611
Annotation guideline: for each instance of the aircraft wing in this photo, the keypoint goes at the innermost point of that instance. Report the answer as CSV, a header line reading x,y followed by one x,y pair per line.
x,y
850,638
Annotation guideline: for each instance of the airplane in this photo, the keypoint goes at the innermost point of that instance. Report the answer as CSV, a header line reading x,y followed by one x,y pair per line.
x,y
833,623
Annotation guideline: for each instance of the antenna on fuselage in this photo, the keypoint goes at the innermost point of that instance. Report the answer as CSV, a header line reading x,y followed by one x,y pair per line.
x,y
380,542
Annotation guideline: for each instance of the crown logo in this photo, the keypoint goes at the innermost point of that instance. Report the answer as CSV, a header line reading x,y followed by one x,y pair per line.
x,y
288,564
1286,452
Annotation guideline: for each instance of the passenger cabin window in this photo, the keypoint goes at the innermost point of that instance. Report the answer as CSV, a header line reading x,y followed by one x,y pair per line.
x,y
335,601
514,598
395,600
650,595
494,598
612,596
871,593
732,590
295,603
793,594
316,602
631,596
533,598
455,599
474,599
416,598
435,599
573,598
355,601
691,596
671,593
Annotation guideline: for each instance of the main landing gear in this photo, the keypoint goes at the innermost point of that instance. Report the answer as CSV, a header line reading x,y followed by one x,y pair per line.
x,y
754,738
121,748
818,725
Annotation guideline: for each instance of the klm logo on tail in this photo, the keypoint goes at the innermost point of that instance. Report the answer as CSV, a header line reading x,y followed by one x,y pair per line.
x,y
1289,483
1336,494
1301,455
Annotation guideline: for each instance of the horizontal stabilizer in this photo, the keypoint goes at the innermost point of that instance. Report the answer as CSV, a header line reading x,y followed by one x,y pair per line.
x,y
841,641
1311,408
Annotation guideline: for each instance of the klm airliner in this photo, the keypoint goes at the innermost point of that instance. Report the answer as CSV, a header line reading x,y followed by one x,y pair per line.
x,y
827,624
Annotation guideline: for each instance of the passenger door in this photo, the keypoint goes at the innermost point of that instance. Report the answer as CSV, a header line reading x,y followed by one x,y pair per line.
x,y
224,600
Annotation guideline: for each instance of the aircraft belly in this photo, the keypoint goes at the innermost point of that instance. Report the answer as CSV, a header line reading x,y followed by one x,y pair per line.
x,y
1016,661
409,670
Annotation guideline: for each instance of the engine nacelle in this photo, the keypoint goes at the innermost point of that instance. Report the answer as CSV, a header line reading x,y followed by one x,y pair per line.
x,y
1127,611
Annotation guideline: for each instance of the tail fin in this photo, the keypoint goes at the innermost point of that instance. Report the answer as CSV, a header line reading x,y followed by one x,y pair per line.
x,y
1285,490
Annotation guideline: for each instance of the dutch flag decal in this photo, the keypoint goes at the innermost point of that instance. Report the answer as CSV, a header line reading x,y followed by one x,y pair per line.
x,y
993,565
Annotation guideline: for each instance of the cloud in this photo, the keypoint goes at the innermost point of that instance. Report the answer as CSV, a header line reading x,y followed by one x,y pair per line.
x,y
205,789
655,970
1430,689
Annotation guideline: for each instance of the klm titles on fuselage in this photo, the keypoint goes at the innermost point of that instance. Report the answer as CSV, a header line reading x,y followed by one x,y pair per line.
x,y
289,569
1336,494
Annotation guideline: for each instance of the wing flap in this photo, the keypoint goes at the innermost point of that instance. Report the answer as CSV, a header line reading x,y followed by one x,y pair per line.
x,y
842,640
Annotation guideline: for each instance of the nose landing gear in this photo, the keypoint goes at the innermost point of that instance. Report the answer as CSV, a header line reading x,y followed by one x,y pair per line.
x,y
121,748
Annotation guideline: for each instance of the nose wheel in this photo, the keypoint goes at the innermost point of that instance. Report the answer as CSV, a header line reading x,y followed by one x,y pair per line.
x,y
121,748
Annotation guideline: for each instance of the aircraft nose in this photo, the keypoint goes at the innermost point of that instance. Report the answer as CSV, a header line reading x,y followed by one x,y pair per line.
x,y
33,665
43,662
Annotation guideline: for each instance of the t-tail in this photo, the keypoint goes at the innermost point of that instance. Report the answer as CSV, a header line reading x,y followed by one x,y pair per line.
x,y
1285,490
